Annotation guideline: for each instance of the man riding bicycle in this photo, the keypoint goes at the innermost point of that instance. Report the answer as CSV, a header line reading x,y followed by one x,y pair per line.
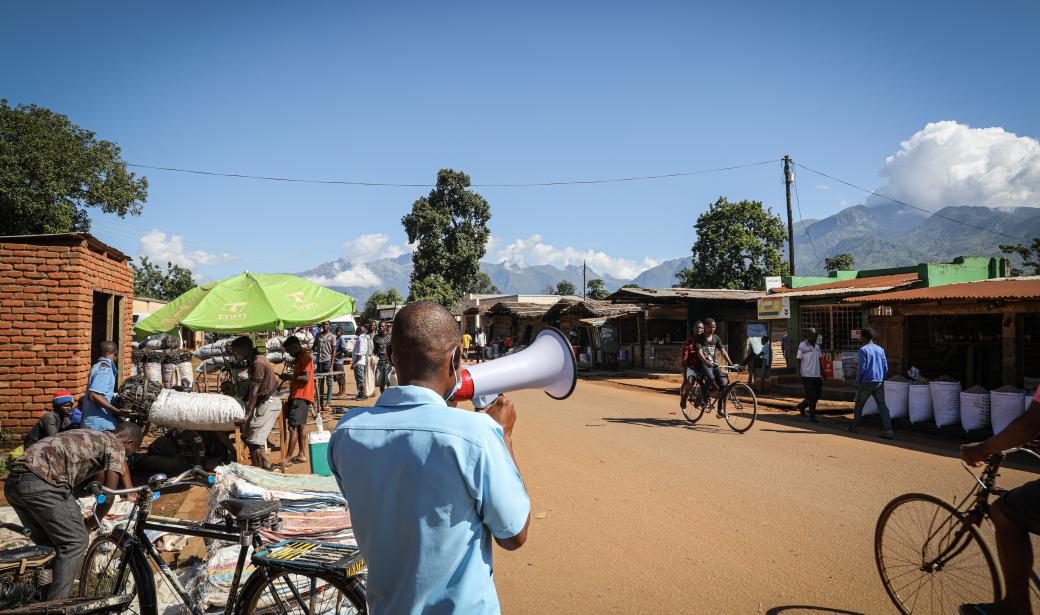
x,y
689,363
708,345
1015,515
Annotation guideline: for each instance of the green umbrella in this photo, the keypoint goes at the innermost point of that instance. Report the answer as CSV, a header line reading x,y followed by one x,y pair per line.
x,y
249,302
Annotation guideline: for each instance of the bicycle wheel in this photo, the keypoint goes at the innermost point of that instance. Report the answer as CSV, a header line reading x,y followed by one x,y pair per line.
x,y
740,406
931,560
694,410
283,592
103,565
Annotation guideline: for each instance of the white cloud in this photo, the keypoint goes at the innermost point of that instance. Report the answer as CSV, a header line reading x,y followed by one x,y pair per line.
x,y
162,249
823,187
533,251
947,163
356,275
371,247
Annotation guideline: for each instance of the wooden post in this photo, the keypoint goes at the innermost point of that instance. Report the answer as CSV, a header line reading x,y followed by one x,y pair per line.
x,y
1009,360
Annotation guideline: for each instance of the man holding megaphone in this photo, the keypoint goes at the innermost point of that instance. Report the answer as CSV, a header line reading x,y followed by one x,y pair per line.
x,y
428,484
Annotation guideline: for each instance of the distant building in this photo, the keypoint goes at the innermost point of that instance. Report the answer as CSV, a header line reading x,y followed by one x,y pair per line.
x,y
472,306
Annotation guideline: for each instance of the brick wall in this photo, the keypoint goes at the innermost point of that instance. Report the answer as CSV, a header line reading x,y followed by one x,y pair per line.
x,y
46,319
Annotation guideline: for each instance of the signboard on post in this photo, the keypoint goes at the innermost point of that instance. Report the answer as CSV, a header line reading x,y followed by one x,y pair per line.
x,y
773,281
771,308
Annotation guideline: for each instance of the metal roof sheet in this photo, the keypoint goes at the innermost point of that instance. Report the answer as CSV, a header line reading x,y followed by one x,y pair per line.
x,y
1000,288
724,294
850,287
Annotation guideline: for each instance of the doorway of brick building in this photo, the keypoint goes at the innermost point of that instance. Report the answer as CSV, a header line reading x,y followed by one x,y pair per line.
x,y
106,324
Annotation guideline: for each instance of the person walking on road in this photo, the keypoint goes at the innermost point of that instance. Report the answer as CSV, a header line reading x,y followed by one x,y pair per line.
x,y
480,341
809,369
380,345
873,365
359,359
467,341
324,352
431,487
341,359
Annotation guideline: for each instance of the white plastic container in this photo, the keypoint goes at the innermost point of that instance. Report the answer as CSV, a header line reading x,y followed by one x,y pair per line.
x,y
920,403
1005,406
946,402
897,398
975,409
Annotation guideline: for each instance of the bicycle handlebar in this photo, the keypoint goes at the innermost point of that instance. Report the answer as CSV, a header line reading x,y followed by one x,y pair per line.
x,y
155,484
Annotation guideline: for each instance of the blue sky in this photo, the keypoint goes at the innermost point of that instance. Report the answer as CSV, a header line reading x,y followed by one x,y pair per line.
x,y
522,93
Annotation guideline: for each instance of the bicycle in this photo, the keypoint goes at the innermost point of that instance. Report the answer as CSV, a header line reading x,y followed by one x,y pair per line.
x,y
289,576
949,556
737,402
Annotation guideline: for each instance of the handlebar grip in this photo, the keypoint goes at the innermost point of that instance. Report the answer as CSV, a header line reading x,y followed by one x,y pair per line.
x,y
206,477
95,489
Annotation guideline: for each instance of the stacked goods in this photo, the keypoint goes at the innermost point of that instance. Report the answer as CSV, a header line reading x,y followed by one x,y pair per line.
x,y
215,364
184,369
153,370
160,341
198,411
217,349
274,345
169,373
1006,406
280,357
897,396
137,394
920,402
946,401
975,409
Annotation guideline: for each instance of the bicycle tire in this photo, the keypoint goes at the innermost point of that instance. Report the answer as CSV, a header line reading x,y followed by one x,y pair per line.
x,y
282,587
693,410
740,413
101,560
947,534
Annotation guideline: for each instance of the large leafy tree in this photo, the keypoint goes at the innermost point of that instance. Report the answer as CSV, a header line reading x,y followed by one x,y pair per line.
x,y
378,298
450,226
564,288
482,285
738,245
151,281
597,290
840,262
1030,256
51,171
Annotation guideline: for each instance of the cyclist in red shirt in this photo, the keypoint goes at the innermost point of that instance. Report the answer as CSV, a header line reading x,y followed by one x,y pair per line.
x,y
690,362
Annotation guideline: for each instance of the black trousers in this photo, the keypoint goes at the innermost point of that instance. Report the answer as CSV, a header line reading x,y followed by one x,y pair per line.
x,y
813,390
55,520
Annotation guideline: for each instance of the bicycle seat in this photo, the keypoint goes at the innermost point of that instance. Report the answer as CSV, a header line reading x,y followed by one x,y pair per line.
x,y
31,554
250,510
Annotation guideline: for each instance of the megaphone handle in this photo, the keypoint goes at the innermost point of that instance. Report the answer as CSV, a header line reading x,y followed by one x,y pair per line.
x,y
483,401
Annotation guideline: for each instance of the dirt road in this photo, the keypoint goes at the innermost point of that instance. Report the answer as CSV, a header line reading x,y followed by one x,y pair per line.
x,y
635,512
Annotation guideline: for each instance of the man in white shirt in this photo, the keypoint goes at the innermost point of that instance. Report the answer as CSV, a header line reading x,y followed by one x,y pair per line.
x,y
809,369
480,341
359,359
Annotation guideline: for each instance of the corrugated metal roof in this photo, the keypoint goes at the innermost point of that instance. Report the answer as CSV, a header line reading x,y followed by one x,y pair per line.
x,y
590,308
520,310
1000,288
724,294
849,287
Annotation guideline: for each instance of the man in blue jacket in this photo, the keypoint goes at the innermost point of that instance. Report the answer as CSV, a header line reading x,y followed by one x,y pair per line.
x,y
873,365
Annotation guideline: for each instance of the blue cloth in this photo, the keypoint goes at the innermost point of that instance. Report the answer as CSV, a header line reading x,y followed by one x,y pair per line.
x,y
427,487
873,364
102,380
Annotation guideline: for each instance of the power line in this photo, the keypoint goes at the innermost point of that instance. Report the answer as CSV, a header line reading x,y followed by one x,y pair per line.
x,y
409,185
927,211
801,219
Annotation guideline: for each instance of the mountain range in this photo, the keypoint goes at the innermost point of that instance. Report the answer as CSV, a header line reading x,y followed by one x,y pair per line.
x,y
877,236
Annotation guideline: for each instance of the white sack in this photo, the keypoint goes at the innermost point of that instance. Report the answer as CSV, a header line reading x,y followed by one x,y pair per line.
x,y
153,372
920,402
169,375
184,372
897,398
1005,407
975,410
946,402
215,349
199,411
274,344
133,369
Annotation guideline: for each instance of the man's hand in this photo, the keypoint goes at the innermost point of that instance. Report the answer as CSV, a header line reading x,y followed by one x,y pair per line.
x,y
131,497
974,454
90,523
503,412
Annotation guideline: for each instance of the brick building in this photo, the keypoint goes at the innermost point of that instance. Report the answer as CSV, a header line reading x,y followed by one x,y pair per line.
x,y
61,295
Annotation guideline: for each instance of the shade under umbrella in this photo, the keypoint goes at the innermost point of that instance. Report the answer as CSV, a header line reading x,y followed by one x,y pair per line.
x,y
248,302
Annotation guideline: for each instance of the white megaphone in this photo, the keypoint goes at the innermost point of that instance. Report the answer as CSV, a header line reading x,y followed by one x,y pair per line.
x,y
547,364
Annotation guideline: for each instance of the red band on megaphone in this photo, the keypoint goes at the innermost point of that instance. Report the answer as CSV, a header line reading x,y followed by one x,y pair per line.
x,y
465,392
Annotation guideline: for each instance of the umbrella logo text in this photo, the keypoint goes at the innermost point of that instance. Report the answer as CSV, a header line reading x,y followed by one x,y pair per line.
x,y
233,312
297,301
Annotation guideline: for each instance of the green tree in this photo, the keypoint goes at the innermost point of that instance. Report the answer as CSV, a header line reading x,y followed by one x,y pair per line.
x,y
450,227
840,262
482,285
737,246
564,287
597,290
151,281
630,285
378,298
1030,256
51,170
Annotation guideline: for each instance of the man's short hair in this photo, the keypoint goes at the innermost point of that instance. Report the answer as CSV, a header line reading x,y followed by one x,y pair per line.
x,y
339,330
292,339
866,333
811,331
709,321
425,333
129,431
107,348
243,343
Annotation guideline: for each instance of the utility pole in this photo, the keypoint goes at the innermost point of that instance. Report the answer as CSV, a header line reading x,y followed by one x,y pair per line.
x,y
583,283
788,178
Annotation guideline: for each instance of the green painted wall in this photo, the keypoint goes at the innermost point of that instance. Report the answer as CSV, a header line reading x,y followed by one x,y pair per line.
x,y
962,269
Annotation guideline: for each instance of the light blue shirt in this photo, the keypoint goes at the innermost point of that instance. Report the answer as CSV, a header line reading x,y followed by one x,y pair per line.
x,y
102,380
873,364
427,487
